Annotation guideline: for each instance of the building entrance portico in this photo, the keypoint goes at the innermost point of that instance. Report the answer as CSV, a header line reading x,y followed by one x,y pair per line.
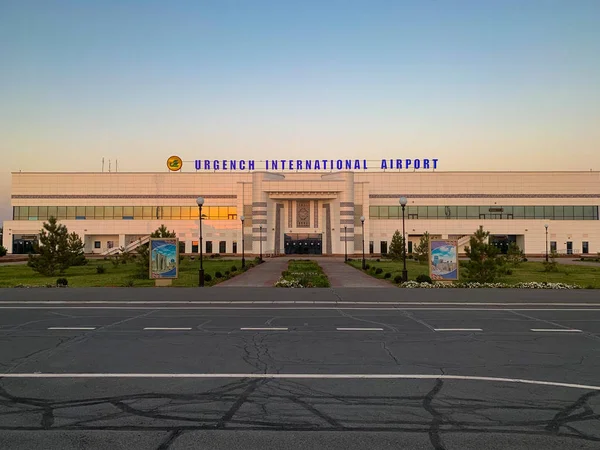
x,y
303,243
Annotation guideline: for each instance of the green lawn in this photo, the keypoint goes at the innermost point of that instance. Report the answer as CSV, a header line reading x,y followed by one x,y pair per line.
x,y
584,276
86,276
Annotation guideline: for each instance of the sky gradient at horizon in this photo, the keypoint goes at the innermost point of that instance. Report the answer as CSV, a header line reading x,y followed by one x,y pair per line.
x,y
495,85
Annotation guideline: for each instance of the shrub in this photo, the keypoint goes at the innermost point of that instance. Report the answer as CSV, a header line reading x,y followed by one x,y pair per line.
x,y
218,274
285,273
227,273
129,283
524,259
387,275
100,269
234,268
398,279
422,278
508,272
62,282
3,251
378,260
378,271
367,266
207,277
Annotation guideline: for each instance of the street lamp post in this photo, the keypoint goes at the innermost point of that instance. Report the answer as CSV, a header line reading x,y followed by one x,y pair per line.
x,y
200,202
403,202
362,224
243,259
261,228
546,226
345,243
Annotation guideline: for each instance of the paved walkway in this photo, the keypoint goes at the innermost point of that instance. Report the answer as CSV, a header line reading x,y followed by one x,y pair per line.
x,y
263,275
343,275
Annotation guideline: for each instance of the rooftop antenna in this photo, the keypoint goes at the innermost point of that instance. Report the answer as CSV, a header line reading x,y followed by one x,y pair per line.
x,y
109,165
116,165
103,164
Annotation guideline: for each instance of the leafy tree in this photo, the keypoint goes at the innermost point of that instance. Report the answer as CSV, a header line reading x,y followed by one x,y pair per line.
x,y
515,255
143,251
551,265
397,247
483,266
3,251
422,250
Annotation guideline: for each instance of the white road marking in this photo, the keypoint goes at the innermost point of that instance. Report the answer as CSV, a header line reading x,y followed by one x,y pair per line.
x,y
264,329
323,376
556,330
166,329
282,308
359,329
72,328
457,329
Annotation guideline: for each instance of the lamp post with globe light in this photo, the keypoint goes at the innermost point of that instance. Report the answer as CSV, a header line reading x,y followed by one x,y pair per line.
x,y
362,223
200,202
403,202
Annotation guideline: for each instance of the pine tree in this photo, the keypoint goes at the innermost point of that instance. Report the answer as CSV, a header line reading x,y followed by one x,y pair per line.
x,y
397,247
422,250
514,254
76,250
52,249
483,266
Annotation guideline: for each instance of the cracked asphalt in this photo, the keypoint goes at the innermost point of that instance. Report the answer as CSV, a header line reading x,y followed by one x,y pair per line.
x,y
203,378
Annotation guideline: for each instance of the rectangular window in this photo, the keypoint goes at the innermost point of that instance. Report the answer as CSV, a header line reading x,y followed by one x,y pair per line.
x,y
232,213
146,212
553,246
472,212
89,212
371,247
109,212
53,211
539,212
71,212
97,244
61,212
138,212
33,213
194,212
549,212
413,216
185,212
568,212
99,212
383,247
383,212
208,246
432,212
589,213
222,247
569,248
118,212
482,216
410,246
223,212
42,213
394,212
422,212
530,212
461,212
175,212
519,212
578,212
374,212
194,246
558,213
585,247
234,249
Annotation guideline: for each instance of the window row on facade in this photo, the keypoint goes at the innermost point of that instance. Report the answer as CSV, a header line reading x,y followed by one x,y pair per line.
x,y
123,212
486,212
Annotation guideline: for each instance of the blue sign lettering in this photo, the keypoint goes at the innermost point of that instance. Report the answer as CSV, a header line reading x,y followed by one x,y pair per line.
x,y
303,165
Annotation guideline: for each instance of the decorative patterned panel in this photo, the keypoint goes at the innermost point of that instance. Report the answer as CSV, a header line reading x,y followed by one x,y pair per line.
x,y
328,244
119,196
302,214
316,209
290,214
486,195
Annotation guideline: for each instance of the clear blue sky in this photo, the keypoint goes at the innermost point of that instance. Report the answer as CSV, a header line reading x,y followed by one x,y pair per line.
x,y
479,84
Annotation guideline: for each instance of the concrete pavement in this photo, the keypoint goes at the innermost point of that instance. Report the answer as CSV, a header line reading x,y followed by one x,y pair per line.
x,y
343,275
436,375
263,275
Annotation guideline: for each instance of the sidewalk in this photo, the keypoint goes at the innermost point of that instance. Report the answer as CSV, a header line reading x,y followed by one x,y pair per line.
x,y
341,274
263,275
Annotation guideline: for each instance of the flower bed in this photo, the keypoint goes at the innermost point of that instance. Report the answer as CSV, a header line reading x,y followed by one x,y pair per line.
x,y
302,274
474,285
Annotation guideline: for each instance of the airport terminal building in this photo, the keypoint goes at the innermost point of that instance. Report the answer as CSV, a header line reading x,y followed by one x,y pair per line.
x,y
315,210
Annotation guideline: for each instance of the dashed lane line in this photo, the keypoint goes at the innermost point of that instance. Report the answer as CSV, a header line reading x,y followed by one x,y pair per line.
x,y
556,330
359,329
457,329
73,328
264,329
167,329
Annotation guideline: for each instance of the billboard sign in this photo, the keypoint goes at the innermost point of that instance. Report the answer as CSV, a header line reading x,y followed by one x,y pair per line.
x,y
164,258
443,260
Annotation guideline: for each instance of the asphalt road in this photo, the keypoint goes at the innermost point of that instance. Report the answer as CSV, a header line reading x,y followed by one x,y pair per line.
x,y
415,373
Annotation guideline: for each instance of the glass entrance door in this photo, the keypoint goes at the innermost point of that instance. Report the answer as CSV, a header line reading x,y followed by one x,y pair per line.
x,y
303,244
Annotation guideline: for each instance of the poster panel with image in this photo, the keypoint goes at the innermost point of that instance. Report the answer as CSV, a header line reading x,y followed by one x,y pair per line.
x,y
443,260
